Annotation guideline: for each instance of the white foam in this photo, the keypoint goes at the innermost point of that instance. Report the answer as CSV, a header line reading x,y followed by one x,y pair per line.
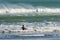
x,y
31,27
26,9
23,10
35,25
49,10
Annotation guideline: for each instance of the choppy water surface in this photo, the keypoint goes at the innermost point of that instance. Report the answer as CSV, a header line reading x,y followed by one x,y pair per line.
x,y
30,13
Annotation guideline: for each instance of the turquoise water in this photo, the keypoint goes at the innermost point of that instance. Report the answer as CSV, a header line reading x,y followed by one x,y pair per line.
x,y
53,18
33,13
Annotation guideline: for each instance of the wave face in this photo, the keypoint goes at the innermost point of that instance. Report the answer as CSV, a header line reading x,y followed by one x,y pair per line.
x,y
25,7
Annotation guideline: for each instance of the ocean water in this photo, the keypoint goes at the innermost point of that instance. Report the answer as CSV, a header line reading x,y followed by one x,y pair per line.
x,y
30,13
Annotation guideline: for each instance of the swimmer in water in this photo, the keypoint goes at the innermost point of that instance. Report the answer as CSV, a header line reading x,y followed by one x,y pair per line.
x,y
23,28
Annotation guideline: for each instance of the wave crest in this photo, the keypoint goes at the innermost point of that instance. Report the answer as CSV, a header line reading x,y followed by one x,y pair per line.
x,y
36,10
26,9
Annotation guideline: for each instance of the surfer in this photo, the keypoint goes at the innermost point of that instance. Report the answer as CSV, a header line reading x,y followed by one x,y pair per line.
x,y
36,10
23,28
7,12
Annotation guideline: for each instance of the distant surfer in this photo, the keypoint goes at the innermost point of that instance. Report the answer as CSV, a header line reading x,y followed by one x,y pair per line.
x,y
36,10
23,28
7,12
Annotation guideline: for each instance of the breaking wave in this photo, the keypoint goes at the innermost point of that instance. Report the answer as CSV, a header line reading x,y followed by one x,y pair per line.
x,y
25,9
